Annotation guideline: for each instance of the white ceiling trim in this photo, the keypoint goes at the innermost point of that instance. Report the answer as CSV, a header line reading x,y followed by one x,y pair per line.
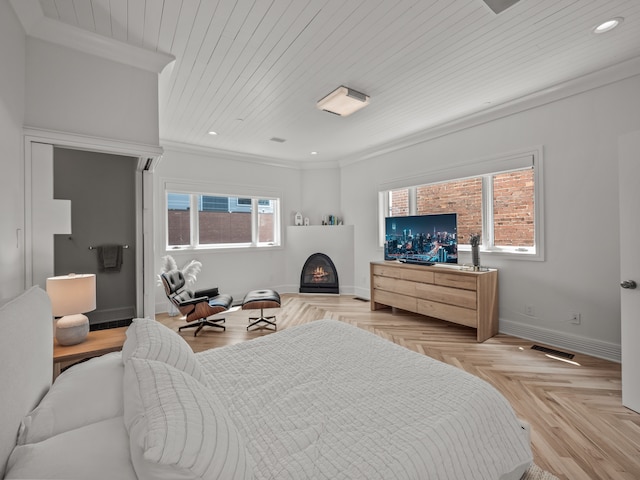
x,y
36,25
606,76
97,144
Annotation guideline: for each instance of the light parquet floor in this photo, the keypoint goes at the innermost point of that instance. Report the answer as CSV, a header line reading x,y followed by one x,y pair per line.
x,y
580,430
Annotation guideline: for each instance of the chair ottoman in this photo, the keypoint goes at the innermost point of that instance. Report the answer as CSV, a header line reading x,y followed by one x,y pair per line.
x,y
261,299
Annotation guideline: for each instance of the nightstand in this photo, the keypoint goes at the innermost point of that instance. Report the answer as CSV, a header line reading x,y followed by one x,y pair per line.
x,y
97,343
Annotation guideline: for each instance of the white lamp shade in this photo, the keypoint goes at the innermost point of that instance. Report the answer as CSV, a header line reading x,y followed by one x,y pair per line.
x,y
71,294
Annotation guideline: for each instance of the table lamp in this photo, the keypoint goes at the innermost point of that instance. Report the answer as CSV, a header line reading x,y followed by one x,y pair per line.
x,y
71,296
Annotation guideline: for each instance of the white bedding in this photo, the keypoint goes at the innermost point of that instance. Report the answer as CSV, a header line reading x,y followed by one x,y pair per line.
x,y
319,401
328,400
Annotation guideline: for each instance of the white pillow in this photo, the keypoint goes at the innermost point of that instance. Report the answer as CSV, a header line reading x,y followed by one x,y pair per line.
x,y
99,451
177,427
85,393
152,340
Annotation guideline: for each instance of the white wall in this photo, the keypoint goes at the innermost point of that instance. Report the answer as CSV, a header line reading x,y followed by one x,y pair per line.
x,y
12,94
320,194
71,91
579,136
232,271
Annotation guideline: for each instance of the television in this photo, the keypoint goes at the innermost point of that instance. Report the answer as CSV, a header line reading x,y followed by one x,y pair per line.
x,y
423,239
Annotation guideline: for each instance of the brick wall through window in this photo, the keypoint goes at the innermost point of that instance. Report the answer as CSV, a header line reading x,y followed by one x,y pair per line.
x,y
513,206
218,227
462,197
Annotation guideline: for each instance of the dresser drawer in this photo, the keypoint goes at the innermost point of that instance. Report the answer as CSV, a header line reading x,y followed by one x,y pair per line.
x,y
395,300
448,295
456,280
459,315
394,285
404,272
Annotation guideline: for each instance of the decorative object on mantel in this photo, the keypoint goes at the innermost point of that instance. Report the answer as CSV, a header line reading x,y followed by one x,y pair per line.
x,y
474,240
331,220
190,272
297,220
71,296
306,221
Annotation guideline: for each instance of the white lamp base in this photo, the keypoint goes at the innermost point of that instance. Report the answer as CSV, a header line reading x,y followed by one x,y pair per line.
x,y
72,329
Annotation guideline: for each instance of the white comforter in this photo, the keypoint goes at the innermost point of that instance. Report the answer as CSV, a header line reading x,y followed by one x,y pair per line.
x,y
330,401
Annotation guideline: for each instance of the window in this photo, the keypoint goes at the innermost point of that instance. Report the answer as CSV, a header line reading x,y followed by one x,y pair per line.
x,y
213,221
463,197
502,205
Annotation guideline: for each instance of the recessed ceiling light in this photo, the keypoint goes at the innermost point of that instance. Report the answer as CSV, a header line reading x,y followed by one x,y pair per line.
x,y
608,25
314,153
213,133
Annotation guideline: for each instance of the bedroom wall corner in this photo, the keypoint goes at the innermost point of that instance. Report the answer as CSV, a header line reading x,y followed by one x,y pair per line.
x,y
233,271
320,194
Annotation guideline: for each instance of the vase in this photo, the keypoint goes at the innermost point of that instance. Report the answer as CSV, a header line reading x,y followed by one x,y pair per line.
x,y
475,255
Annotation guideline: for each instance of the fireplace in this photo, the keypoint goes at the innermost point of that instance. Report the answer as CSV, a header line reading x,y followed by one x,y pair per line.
x,y
319,275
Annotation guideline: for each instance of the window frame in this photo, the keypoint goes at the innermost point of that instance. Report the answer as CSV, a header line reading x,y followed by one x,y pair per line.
x,y
196,192
484,169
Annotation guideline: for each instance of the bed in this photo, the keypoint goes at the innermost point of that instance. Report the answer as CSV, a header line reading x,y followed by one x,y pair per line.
x,y
325,400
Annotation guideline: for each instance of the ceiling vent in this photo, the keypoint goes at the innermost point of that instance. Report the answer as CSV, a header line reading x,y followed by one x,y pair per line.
x,y
343,101
500,5
277,139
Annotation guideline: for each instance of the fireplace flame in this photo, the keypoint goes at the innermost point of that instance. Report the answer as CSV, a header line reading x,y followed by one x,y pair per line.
x,y
319,275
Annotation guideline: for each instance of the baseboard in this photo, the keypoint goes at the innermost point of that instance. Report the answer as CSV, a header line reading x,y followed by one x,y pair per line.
x,y
362,292
562,340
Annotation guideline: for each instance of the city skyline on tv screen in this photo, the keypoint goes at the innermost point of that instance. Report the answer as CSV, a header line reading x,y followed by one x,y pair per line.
x,y
424,238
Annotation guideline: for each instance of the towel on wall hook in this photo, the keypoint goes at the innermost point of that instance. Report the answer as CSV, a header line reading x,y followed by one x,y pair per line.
x,y
110,258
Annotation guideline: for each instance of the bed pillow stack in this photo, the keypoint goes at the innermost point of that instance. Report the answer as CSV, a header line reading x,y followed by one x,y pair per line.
x,y
77,430
177,426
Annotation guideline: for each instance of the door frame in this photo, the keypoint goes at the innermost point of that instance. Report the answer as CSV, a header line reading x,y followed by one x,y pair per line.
x,y
147,157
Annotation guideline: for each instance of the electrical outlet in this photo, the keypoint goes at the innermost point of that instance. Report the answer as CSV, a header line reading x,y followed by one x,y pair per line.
x,y
529,311
575,318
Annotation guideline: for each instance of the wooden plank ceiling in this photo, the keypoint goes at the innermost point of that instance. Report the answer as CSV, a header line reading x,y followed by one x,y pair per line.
x,y
252,70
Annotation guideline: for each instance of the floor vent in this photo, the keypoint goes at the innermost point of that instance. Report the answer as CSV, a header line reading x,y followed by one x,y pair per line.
x,y
551,351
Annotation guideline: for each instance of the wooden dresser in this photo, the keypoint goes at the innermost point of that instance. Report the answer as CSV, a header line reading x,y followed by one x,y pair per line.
x,y
460,296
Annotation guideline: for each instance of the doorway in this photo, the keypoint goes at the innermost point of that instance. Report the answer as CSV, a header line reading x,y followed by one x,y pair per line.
x,y
46,216
102,191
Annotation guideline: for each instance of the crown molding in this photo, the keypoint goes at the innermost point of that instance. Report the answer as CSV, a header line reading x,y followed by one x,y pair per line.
x,y
86,142
169,145
38,26
605,76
